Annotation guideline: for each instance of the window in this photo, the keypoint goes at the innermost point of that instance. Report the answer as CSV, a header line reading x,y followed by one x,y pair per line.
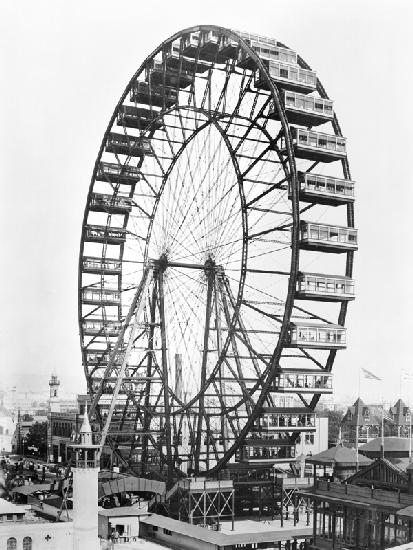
x,y
9,517
167,532
27,543
11,544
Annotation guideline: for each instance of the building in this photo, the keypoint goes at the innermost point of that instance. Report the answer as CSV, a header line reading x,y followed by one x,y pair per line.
x,y
7,428
401,418
177,534
361,422
373,509
62,426
22,529
316,442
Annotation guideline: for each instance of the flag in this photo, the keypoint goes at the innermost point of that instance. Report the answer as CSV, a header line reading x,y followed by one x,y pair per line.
x,y
406,375
370,375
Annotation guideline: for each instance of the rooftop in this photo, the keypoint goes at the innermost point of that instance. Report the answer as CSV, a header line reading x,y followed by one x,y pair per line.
x,y
226,539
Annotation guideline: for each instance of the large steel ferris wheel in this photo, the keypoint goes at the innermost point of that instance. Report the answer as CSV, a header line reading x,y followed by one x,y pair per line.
x,y
216,255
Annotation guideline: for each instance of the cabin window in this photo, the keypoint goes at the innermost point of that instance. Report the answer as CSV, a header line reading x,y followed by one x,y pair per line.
x,y
303,138
313,140
283,73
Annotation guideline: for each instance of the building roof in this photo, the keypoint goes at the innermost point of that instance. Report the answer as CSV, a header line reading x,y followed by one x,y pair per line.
x,y
391,444
30,489
7,507
339,456
225,539
122,511
359,414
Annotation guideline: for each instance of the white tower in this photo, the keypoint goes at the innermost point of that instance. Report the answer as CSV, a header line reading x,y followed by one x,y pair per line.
x,y
85,490
54,400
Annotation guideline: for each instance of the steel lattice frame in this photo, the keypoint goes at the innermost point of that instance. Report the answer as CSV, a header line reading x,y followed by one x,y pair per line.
x,y
190,254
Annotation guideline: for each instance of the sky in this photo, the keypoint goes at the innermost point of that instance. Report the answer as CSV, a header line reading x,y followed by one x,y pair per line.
x,y
64,66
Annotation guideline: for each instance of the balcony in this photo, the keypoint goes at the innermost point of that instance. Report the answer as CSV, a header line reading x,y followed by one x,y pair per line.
x,y
324,288
98,327
327,238
308,335
316,146
117,204
287,77
157,96
303,381
103,234
106,266
304,109
278,419
100,296
117,173
132,146
320,189
141,118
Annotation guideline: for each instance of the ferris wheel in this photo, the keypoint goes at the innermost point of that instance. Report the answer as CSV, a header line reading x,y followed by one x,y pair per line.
x,y
216,256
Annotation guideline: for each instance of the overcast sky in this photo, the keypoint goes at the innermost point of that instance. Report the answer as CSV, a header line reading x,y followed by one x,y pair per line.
x,y
64,65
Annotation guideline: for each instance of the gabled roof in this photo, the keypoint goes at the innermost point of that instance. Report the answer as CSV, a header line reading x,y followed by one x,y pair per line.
x,y
380,473
398,413
356,415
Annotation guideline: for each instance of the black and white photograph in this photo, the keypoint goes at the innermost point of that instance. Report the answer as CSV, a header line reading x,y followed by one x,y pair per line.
x,y
206,234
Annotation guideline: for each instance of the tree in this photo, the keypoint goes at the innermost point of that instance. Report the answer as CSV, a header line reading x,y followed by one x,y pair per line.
x,y
334,422
37,437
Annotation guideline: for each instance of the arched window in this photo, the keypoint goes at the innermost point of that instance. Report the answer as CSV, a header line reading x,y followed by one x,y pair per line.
x,y
11,543
27,543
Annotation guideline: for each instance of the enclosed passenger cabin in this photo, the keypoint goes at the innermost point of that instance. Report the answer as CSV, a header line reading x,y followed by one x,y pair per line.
x,y
327,238
132,146
190,44
116,173
160,74
156,96
320,189
103,234
285,419
117,204
324,288
101,357
105,266
303,381
95,327
266,49
141,118
266,450
209,45
306,110
288,77
316,146
101,296
228,49
173,56
310,335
